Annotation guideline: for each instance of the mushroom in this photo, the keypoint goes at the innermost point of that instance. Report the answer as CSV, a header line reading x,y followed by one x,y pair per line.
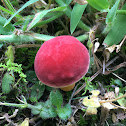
x,y
61,62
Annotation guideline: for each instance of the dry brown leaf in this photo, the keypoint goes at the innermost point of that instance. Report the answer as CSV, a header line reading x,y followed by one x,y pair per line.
x,y
109,95
108,105
108,51
114,118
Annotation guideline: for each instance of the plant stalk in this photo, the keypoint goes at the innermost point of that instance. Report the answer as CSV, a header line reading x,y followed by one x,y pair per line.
x,y
68,13
30,37
121,12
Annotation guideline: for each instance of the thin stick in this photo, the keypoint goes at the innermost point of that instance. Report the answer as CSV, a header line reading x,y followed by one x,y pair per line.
x,y
119,77
104,101
28,45
96,74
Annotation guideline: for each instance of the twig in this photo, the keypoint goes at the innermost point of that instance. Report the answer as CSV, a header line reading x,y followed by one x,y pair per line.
x,y
119,77
104,101
73,94
96,74
28,45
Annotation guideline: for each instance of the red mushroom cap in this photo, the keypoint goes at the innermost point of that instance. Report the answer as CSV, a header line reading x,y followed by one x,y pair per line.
x,y
61,61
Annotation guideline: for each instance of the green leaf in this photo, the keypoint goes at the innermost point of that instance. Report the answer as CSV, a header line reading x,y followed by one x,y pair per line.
x,y
9,12
122,101
7,80
118,30
37,18
37,108
67,2
48,110
41,14
10,53
112,13
76,15
25,122
5,30
111,16
9,5
56,98
31,76
100,5
118,82
37,91
25,24
65,112
24,6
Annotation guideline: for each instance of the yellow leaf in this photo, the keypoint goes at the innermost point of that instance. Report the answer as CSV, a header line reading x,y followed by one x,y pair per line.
x,y
92,102
91,111
95,92
25,122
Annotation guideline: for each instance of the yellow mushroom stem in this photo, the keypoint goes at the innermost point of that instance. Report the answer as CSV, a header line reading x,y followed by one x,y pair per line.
x,y
68,88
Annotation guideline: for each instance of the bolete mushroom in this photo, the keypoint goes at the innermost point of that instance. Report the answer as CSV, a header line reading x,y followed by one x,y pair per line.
x,y
61,62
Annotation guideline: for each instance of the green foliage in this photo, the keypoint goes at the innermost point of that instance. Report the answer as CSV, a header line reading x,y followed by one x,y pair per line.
x,y
48,111
68,12
37,108
28,58
10,53
116,82
36,25
67,2
41,14
101,5
10,66
37,91
76,15
122,101
112,13
82,121
7,81
111,16
56,98
64,112
24,6
31,77
118,31
89,85
9,5
44,109
5,30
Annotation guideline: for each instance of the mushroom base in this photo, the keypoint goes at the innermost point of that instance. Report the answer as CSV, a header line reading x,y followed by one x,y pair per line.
x,y
68,88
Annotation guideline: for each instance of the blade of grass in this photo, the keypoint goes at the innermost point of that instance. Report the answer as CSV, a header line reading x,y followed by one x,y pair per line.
x,y
41,14
118,30
24,6
76,16
9,12
53,17
5,30
112,13
68,13
9,5
68,2
111,16
100,5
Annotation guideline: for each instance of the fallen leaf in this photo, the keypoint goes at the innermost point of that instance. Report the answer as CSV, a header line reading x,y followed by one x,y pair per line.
x,y
25,122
